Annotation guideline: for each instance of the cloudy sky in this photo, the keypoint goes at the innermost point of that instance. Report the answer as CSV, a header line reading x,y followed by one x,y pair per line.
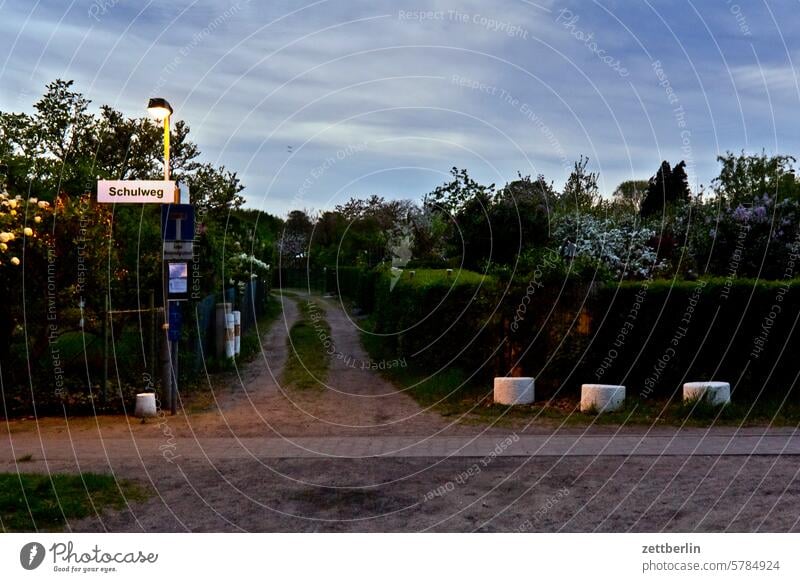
x,y
315,102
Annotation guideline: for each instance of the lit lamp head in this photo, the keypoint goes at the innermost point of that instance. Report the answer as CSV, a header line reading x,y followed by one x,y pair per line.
x,y
159,108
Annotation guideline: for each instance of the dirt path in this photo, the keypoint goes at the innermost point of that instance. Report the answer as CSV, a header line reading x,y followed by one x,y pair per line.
x,y
356,400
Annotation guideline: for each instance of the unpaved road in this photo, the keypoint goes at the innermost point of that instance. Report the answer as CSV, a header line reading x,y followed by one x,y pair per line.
x,y
267,457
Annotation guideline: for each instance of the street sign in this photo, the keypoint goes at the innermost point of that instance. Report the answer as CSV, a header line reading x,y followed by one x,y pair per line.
x,y
136,191
177,280
178,250
175,321
177,222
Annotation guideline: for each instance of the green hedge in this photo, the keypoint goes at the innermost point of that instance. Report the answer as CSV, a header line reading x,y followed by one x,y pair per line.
x,y
651,336
435,319
654,336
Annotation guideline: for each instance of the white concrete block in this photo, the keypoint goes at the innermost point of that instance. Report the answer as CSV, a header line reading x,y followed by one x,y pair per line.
x,y
145,405
513,390
714,393
602,397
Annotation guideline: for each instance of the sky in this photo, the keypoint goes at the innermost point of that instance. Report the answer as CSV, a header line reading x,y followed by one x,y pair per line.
x,y
314,102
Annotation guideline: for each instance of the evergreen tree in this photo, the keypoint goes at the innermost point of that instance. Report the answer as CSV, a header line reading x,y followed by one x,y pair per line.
x,y
678,186
667,187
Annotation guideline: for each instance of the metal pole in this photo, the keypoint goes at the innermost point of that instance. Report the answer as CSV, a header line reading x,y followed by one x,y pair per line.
x,y
173,403
166,366
166,148
151,304
104,390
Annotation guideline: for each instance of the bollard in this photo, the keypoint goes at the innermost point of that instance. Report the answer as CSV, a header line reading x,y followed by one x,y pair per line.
x,y
715,393
602,397
230,339
145,405
237,332
513,390
223,309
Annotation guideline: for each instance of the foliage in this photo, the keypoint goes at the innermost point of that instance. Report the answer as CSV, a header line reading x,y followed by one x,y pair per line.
x,y
744,177
63,255
630,194
431,317
668,187
580,190
621,247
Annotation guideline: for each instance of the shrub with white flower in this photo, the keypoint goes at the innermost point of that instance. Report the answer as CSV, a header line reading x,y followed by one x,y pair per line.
x,y
623,247
242,267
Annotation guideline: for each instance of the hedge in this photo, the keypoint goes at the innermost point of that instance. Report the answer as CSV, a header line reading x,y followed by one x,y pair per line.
x,y
434,318
650,336
654,336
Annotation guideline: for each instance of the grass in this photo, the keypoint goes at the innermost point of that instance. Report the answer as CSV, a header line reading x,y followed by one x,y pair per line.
x,y
31,502
307,365
423,277
452,393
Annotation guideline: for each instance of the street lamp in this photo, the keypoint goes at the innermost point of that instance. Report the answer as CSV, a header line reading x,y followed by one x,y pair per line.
x,y
160,109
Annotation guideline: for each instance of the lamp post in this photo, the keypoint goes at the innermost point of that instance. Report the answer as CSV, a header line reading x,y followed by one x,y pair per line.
x,y
160,109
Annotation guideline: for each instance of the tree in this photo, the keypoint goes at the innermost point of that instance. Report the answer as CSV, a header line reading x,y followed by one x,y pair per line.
x,y
214,189
63,147
668,187
580,190
293,244
453,196
678,186
744,177
520,216
629,194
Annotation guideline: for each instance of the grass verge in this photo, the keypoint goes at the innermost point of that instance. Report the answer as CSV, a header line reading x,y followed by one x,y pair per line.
x,y
31,502
308,362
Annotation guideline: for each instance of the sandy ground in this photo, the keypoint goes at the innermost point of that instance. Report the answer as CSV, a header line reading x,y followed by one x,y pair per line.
x,y
196,491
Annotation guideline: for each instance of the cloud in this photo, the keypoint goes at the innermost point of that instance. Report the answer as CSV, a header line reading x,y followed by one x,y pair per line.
x,y
253,78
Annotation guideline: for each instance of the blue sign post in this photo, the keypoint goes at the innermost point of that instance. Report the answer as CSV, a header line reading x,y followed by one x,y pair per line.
x,y
177,232
175,321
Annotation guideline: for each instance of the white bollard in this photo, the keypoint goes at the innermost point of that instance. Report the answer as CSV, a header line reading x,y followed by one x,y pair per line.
x,y
145,405
513,390
237,332
223,309
714,393
602,397
230,340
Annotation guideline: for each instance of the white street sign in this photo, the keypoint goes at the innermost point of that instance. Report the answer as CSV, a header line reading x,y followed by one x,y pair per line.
x,y
178,249
136,191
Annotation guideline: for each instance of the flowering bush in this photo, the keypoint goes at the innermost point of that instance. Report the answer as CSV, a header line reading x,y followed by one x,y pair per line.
x,y
623,247
20,226
745,239
243,267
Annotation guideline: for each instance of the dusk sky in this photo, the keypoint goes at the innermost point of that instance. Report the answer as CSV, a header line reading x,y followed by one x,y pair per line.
x,y
315,102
